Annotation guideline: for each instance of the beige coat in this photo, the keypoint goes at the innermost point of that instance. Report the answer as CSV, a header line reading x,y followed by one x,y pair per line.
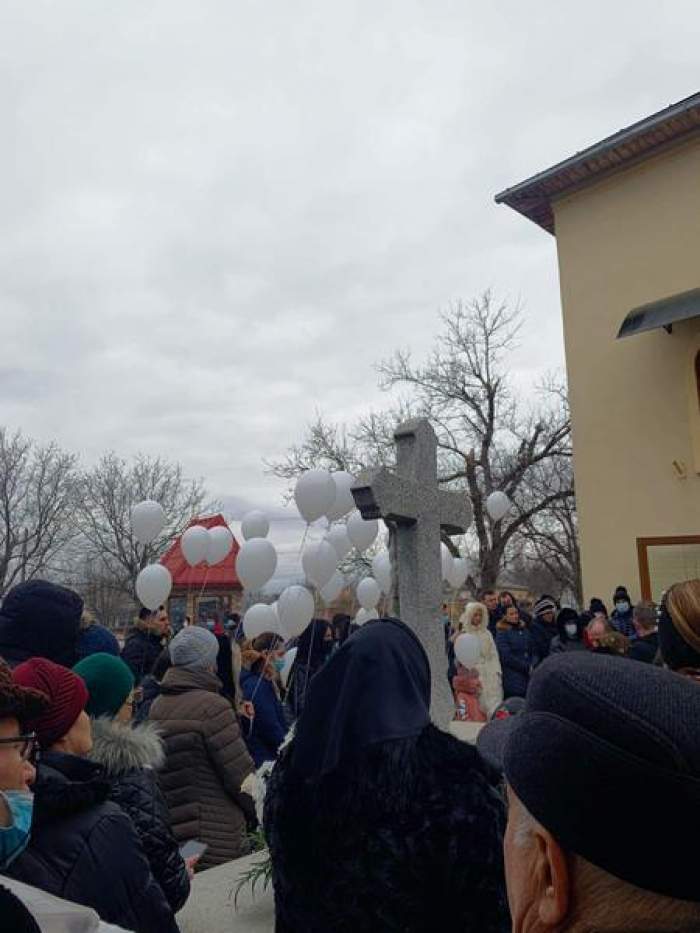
x,y
489,665
206,762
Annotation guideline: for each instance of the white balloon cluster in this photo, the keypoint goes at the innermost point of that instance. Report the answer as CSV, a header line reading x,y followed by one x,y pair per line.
x,y
200,544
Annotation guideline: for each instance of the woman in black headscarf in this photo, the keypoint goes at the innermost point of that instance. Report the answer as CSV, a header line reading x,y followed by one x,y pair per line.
x,y
314,647
375,819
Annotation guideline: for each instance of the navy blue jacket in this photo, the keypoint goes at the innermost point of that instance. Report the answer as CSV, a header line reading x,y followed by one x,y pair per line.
x,y
266,732
516,649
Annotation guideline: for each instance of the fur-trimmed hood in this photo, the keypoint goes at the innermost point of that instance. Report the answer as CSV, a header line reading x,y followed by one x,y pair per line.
x,y
120,748
469,613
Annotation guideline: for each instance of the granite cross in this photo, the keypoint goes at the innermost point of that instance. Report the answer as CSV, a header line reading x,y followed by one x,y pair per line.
x,y
413,501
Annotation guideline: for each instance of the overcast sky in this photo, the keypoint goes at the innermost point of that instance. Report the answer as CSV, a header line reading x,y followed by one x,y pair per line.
x,y
216,216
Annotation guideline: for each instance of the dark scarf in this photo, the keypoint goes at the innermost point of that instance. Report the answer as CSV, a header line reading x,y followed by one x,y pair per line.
x,y
375,688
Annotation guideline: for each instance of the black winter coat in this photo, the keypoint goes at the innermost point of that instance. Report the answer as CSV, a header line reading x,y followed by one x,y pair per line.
x,y
40,620
645,648
518,654
542,636
141,650
412,830
130,758
85,849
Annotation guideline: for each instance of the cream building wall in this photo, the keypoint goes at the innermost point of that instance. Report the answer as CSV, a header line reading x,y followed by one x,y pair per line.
x,y
626,241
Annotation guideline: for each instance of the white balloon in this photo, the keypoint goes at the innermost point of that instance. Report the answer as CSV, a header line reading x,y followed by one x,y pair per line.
x,y
153,586
381,568
498,505
314,494
362,533
259,620
219,544
446,559
468,649
194,544
296,609
365,615
255,525
368,593
256,563
147,520
343,501
333,588
319,562
338,537
458,572
289,658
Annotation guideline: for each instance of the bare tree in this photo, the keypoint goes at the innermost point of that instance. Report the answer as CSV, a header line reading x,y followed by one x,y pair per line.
x,y
37,505
490,436
110,490
550,541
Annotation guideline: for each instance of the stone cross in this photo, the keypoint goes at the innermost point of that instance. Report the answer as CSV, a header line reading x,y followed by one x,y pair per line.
x,y
412,500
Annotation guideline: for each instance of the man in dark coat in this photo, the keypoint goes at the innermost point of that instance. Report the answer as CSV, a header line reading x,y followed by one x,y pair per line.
x,y
544,625
517,652
39,619
145,641
82,848
490,599
646,645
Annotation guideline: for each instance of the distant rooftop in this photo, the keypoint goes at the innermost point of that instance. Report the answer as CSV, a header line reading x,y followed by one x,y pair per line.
x,y
533,198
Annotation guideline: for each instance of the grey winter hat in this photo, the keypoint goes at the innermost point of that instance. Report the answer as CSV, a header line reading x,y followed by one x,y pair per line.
x,y
194,649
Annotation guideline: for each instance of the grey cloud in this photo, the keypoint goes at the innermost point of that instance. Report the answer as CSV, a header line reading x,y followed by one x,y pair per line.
x,y
218,216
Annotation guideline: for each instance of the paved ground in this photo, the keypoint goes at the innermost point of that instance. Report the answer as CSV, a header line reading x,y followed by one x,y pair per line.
x,y
211,909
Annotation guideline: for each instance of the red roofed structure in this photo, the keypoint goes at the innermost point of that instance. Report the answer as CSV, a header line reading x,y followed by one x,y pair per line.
x,y
202,591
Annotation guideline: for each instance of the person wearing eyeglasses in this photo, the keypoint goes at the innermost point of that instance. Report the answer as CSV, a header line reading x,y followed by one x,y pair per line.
x,y
82,847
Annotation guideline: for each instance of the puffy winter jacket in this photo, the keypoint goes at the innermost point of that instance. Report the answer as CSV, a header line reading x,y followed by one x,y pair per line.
x,y
130,757
40,620
85,849
140,651
265,733
517,652
206,762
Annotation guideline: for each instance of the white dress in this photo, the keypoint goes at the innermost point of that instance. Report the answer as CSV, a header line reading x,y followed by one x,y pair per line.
x,y
488,665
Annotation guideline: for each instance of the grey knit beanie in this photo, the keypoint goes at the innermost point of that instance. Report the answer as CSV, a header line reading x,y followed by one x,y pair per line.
x,y
194,649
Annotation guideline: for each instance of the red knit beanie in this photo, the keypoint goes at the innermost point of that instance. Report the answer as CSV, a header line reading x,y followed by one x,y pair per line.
x,y
66,691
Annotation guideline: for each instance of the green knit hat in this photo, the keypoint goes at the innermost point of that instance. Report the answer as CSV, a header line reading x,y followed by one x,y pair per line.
x,y
109,682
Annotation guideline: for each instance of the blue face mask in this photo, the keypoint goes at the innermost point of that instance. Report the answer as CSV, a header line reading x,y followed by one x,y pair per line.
x,y
211,625
622,607
279,665
14,838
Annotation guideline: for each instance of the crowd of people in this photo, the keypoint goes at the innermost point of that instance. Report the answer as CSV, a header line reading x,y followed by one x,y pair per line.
x,y
114,757
515,641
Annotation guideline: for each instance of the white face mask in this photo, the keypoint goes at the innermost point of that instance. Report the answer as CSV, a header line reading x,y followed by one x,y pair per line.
x,y
571,629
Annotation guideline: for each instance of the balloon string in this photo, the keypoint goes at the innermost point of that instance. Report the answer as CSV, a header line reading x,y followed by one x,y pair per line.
x,y
206,576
